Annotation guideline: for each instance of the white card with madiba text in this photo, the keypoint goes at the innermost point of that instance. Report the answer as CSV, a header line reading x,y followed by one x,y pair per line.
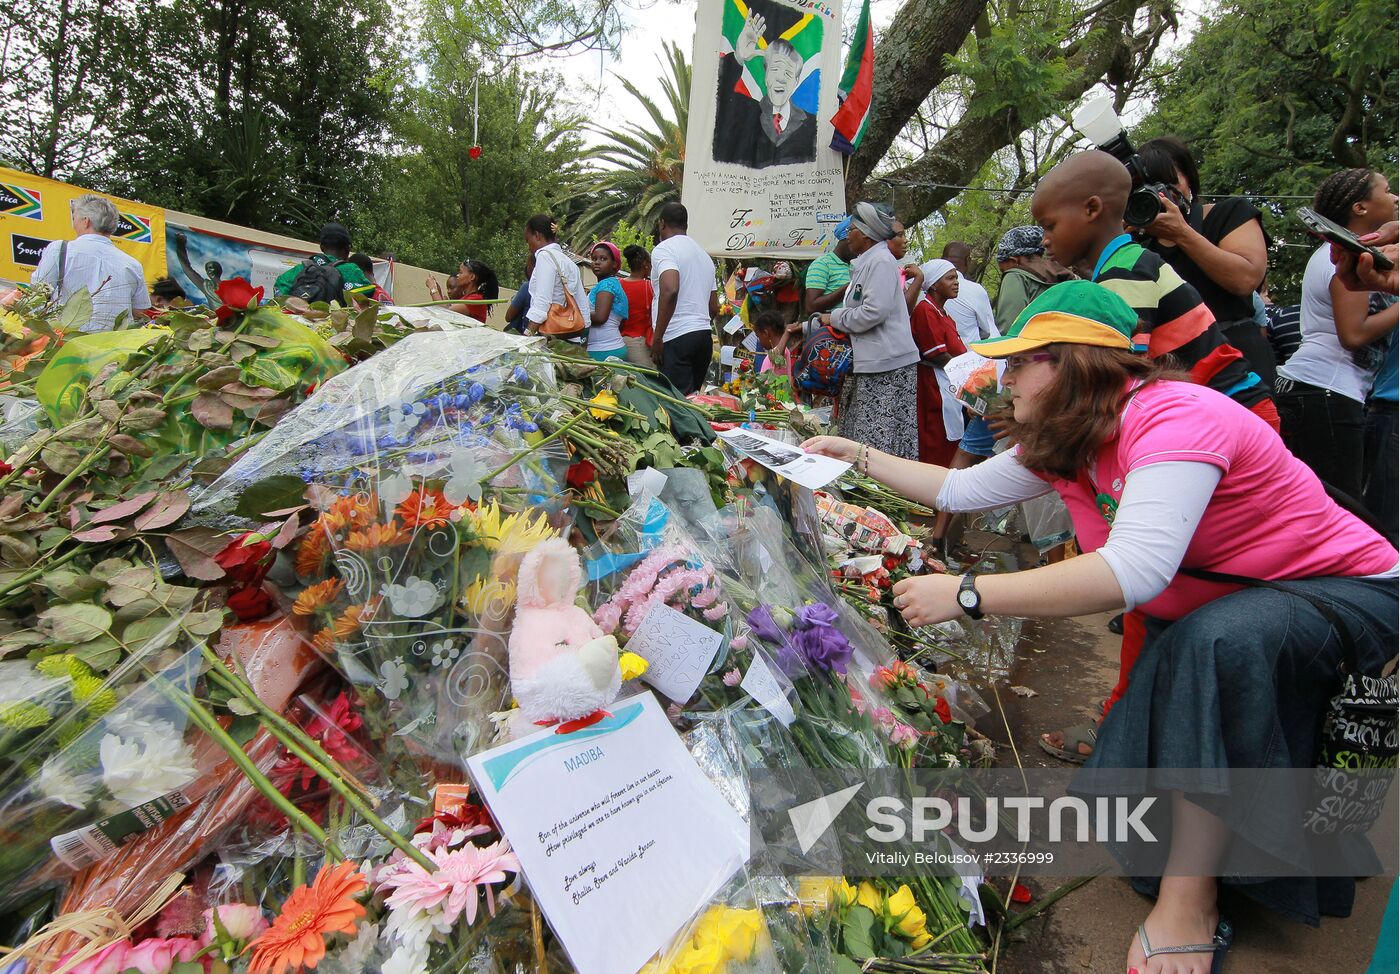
x,y
621,837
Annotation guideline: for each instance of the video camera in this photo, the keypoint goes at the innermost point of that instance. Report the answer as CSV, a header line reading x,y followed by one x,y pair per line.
x,y
1098,122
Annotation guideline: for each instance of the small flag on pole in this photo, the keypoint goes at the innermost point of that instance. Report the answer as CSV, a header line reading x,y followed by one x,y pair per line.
x,y
857,87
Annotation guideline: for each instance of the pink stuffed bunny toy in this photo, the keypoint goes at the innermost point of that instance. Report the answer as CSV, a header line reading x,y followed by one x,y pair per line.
x,y
562,666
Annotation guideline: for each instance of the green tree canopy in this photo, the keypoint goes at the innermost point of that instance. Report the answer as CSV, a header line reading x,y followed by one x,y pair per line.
x,y
434,205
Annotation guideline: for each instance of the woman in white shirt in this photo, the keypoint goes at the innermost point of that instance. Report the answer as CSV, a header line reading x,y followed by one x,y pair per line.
x,y
554,273
1321,390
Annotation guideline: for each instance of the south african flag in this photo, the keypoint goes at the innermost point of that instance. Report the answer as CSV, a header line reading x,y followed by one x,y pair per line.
x,y
18,201
805,35
133,228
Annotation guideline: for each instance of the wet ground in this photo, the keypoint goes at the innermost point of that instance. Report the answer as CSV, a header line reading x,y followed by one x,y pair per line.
x,y
1071,664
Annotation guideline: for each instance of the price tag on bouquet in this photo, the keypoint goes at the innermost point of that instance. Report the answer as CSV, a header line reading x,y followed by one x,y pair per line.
x,y
621,837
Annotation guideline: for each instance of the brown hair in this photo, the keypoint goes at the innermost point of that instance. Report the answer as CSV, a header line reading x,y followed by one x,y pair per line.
x,y
1082,406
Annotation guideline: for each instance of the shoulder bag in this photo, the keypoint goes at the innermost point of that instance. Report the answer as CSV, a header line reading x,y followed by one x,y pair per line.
x,y
563,319
1360,730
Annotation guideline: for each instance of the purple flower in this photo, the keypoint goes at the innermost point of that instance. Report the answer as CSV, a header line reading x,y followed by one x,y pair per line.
x,y
760,620
817,614
824,648
816,637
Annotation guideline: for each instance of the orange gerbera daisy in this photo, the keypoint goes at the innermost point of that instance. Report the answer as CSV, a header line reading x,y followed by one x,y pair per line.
x,y
351,619
311,553
324,641
297,938
352,511
376,536
424,508
316,597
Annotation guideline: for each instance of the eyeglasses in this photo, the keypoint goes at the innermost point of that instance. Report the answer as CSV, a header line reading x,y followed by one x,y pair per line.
x,y
1014,362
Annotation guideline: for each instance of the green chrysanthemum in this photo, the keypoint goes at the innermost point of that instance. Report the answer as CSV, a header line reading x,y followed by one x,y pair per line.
x,y
89,690
23,715
63,665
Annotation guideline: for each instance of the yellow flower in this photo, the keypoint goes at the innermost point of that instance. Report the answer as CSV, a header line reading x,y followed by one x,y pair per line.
x,y
909,919
823,892
601,401
515,534
632,665
921,941
12,325
869,897
489,598
706,959
732,932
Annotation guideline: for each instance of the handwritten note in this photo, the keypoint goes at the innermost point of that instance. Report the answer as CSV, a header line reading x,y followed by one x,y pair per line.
x,y
763,685
679,649
621,837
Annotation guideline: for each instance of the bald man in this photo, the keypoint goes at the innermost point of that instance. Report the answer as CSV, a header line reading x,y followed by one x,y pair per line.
x,y
1079,204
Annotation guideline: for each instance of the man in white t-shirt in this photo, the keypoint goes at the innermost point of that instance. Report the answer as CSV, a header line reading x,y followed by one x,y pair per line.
x,y
683,278
113,277
971,310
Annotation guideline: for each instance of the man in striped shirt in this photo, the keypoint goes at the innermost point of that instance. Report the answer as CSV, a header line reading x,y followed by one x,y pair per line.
x,y
1079,204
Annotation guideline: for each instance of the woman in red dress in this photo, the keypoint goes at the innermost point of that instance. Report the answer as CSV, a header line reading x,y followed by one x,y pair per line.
x,y
937,338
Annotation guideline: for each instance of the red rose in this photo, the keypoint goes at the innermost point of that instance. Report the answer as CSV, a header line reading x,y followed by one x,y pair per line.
x,y
940,707
5,469
238,295
250,603
580,475
1020,893
245,564
474,152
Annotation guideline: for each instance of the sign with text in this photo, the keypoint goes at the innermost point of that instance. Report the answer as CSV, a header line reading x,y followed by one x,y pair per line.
x,y
761,178
34,212
620,835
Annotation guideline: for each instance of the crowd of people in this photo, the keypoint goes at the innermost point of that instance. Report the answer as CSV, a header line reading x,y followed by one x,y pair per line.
x,y
1241,523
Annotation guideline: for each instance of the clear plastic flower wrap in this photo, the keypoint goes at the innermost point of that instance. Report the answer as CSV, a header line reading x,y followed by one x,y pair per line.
x,y
431,477
91,763
428,393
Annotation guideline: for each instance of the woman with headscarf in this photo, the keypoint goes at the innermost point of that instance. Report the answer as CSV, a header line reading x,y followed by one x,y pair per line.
x,y
938,341
1025,272
609,304
879,400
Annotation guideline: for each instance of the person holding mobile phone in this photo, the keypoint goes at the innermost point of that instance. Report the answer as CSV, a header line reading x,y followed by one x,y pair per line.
x,y
1322,389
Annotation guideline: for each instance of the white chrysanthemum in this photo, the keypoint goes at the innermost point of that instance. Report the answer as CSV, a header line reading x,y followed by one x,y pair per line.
x,y
56,783
145,765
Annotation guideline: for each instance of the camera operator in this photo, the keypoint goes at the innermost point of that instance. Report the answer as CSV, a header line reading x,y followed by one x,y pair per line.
x,y
1221,249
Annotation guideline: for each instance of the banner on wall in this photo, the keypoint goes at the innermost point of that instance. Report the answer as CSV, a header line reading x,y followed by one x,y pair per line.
x,y
34,213
761,178
259,263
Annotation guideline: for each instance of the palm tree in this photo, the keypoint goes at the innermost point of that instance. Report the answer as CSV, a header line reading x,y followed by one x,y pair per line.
x,y
640,168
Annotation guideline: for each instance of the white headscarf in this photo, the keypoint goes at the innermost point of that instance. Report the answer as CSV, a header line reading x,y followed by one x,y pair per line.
x,y
934,270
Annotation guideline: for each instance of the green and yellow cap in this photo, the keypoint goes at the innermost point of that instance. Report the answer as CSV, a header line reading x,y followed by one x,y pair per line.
x,y
1076,312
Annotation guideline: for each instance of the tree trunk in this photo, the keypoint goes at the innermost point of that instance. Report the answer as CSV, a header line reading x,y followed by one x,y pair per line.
x,y
908,66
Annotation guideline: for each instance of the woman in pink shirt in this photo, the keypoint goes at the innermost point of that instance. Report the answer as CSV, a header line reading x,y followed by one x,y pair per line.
x,y
1163,479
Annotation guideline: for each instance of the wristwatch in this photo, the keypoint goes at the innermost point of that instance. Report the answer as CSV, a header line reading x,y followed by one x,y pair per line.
x,y
968,599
